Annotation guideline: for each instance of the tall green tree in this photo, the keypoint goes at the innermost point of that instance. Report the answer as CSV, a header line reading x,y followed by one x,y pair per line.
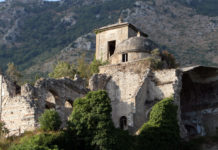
x,y
83,67
13,72
91,121
63,69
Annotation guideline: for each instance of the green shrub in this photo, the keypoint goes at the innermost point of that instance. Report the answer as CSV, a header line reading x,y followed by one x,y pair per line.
x,y
50,120
94,66
161,131
91,121
42,141
169,59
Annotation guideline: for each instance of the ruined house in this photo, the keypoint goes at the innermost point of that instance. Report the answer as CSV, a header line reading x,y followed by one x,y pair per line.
x,y
134,87
22,106
131,83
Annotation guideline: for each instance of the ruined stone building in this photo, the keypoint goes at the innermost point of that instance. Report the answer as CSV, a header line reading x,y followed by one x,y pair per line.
x,y
134,87
131,83
22,106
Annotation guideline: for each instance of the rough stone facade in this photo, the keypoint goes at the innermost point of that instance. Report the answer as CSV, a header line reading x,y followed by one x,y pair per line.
x,y
133,89
197,100
21,108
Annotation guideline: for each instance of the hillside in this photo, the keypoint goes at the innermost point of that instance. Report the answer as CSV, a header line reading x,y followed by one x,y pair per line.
x,y
35,34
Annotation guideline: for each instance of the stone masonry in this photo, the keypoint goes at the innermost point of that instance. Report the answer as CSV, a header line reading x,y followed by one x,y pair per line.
x,y
20,109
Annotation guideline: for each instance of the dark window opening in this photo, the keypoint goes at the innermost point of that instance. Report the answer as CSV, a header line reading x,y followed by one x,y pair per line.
x,y
123,122
17,88
124,57
191,130
49,105
111,47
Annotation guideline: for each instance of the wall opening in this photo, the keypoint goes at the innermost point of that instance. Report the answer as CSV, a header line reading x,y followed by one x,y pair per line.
x,y
197,97
17,89
111,47
49,105
123,123
124,57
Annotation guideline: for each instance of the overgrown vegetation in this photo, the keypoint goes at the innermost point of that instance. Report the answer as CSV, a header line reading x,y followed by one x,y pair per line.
x,y
90,127
91,121
162,60
63,69
161,129
50,120
13,73
85,70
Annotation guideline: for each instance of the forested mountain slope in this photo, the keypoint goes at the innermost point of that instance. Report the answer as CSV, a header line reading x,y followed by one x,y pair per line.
x,y
35,34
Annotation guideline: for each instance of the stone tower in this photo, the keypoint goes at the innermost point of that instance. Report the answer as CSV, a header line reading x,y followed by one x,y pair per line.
x,y
109,37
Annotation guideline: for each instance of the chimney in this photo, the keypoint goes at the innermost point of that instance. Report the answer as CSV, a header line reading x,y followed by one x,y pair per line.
x,y
120,20
138,34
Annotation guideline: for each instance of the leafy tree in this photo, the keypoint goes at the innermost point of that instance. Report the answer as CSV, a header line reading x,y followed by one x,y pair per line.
x,y
161,129
63,69
13,73
50,120
83,67
91,121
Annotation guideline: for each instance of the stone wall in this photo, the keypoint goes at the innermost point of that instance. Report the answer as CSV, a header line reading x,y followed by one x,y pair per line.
x,y
20,111
199,101
133,89
132,56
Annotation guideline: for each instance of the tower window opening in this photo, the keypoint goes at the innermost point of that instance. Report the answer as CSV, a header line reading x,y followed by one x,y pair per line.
x,y
123,122
124,57
111,47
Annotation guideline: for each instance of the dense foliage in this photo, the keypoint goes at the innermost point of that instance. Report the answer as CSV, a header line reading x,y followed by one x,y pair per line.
x,y
42,141
91,121
90,127
85,70
50,120
161,129
63,69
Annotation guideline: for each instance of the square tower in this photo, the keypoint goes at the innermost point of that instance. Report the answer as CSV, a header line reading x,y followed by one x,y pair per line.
x,y
108,37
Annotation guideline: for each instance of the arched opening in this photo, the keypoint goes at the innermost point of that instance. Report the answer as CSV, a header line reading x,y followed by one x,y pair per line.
x,y
192,131
123,123
49,105
68,107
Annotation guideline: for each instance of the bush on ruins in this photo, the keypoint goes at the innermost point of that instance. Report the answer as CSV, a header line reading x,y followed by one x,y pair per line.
x,y
50,120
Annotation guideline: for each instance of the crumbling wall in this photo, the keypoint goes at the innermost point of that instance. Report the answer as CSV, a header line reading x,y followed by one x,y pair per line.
x,y
20,112
198,99
133,89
